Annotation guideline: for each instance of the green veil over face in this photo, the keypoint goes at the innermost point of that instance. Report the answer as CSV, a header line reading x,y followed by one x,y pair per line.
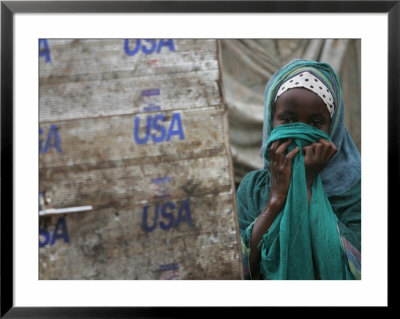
x,y
344,169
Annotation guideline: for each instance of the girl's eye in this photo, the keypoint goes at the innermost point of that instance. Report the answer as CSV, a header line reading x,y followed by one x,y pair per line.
x,y
287,120
316,123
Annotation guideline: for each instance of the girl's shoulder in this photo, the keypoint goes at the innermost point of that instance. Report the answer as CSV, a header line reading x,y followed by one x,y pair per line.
x,y
253,180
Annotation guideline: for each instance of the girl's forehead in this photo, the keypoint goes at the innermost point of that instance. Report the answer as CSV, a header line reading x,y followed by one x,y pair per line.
x,y
301,100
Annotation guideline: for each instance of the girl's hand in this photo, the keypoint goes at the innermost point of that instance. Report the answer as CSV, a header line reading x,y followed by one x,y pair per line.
x,y
281,172
316,158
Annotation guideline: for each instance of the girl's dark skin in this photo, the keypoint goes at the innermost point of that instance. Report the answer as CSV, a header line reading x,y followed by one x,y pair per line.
x,y
295,105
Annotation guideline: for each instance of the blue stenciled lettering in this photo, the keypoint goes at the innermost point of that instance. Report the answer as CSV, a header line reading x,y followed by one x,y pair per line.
x,y
167,213
64,232
144,218
176,117
44,50
166,267
136,130
46,236
169,43
156,123
53,140
60,231
184,214
40,140
152,108
161,180
150,92
159,128
161,188
128,51
149,49
148,46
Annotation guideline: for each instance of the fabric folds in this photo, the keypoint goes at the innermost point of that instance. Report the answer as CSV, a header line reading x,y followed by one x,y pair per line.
x,y
304,239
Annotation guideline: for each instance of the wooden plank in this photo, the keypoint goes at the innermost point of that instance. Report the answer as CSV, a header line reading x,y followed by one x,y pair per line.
x,y
91,142
97,56
111,243
127,186
82,99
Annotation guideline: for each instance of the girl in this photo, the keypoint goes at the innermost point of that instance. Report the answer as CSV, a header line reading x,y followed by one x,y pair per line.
x,y
300,216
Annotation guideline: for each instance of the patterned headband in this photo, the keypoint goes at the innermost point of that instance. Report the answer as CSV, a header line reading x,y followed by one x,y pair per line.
x,y
309,81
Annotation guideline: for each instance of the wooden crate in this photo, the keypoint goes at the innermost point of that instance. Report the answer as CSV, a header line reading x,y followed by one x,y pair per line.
x,y
135,173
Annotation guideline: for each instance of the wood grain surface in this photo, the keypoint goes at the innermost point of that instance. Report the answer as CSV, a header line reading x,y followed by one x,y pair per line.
x,y
137,130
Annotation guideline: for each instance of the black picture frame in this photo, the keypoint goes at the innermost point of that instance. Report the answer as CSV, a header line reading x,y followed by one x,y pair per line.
x,y
9,8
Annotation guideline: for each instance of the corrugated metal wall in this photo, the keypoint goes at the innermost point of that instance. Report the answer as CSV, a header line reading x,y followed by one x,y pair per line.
x,y
136,178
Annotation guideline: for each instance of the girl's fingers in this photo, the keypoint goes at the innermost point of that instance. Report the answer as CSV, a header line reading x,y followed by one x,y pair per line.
x,y
323,141
329,148
308,150
271,151
325,151
273,147
276,151
282,148
318,150
321,150
289,156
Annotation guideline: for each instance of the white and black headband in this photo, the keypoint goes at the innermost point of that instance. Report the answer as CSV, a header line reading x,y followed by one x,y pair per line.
x,y
309,81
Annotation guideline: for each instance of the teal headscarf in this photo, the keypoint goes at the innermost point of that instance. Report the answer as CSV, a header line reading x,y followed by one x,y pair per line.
x,y
321,237
344,169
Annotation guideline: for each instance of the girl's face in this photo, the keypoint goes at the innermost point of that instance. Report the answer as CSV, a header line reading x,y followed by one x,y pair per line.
x,y
301,105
